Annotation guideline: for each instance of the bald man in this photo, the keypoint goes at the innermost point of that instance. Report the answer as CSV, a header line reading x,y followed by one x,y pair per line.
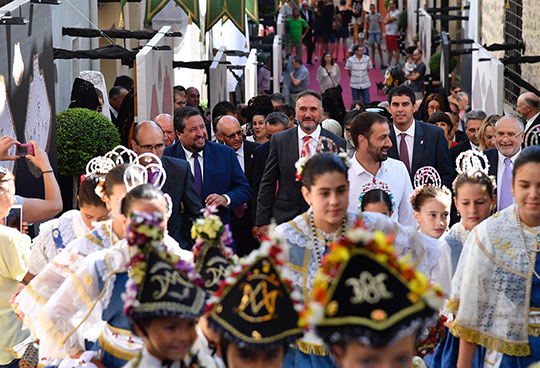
x,y
180,185
166,122
528,106
193,99
229,132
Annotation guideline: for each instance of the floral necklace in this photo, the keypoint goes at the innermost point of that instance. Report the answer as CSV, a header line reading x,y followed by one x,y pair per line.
x,y
527,248
319,250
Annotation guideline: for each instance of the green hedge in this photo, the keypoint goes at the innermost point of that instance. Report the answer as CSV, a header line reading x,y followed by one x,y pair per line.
x,y
82,134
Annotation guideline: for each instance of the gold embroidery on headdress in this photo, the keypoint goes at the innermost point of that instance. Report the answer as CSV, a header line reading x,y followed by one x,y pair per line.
x,y
368,288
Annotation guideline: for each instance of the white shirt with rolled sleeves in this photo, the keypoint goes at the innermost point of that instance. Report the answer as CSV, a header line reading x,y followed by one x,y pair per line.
x,y
395,174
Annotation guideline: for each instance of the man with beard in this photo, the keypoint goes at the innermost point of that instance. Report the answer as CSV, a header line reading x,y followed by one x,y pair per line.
x,y
218,177
370,133
279,195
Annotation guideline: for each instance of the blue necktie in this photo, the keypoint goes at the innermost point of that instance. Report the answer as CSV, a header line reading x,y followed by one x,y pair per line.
x,y
506,183
197,173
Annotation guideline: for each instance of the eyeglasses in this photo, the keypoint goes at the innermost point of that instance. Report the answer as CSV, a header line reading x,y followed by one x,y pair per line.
x,y
150,147
509,135
434,108
232,135
456,91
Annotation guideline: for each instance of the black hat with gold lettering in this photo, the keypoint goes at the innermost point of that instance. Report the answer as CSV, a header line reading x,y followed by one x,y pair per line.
x,y
364,293
254,308
160,283
213,258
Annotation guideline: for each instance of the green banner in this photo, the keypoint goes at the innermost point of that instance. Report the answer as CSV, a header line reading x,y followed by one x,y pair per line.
x,y
191,7
152,7
231,9
252,10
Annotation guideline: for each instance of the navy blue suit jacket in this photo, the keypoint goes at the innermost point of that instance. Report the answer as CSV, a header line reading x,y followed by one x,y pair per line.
x,y
430,149
222,174
181,188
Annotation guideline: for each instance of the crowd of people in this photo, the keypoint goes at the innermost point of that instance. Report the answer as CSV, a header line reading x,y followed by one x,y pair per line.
x,y
311,206
275,234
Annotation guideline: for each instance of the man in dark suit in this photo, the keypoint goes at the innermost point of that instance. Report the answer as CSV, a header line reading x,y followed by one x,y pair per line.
x,y
218,177
116,97
415,143
285,149
508,140
309,16
229,132
275,122
528,106
186,204
472,123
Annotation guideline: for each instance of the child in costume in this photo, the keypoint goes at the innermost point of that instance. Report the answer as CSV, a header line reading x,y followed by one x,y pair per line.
x,y
326,189
375,196
55,234
368,306
253,311
474,196
498,300
164,298
431,203
89,302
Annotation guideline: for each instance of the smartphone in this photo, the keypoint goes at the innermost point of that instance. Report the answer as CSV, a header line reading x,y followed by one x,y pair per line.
x,y
14,219
25,149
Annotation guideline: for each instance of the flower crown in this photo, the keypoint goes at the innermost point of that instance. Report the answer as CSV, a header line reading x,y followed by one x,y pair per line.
x,y
272,247
145,228
211,228
323,144
427,176
471,161
372,185
381,246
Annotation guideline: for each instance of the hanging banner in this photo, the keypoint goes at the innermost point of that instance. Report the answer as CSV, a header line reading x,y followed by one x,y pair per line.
x,y
252,10
231,9
191,7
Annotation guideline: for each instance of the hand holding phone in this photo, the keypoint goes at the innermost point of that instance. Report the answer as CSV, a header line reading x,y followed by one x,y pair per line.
x,y
25,149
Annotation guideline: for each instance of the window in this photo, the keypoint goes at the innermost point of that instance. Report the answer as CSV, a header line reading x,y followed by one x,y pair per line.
x,y
512,35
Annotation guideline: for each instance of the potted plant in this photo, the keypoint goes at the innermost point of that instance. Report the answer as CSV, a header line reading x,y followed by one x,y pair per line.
x,y
81,134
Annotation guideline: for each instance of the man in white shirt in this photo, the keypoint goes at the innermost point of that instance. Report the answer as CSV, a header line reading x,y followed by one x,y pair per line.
x,y
391,29
116,97
528,106
370,133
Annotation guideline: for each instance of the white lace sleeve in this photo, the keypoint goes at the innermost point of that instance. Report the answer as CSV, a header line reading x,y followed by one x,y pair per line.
x,y
73,313
442,272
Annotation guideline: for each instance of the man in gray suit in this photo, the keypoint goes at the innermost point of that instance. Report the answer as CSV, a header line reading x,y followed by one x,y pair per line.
x,y
279,194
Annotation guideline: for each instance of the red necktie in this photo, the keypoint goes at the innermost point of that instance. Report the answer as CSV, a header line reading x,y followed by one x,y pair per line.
x,y
306,150
404,152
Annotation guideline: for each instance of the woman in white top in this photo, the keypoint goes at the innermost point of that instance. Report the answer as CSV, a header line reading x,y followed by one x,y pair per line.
x,y
358,67
328,74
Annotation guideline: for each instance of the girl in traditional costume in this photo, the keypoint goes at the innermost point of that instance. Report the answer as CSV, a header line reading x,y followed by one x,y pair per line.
x,y
55,234
164,298
254,312
498,305
88,305
326,189
375,196
368,306
474,196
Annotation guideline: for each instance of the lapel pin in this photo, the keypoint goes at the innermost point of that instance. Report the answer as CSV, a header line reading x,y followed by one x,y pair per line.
x,y
422,141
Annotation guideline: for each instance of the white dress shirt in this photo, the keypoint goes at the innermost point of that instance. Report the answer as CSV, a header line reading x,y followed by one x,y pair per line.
x,y
409,139
531,121
113,111
392,172
240,156
314,141
190,159
500,170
